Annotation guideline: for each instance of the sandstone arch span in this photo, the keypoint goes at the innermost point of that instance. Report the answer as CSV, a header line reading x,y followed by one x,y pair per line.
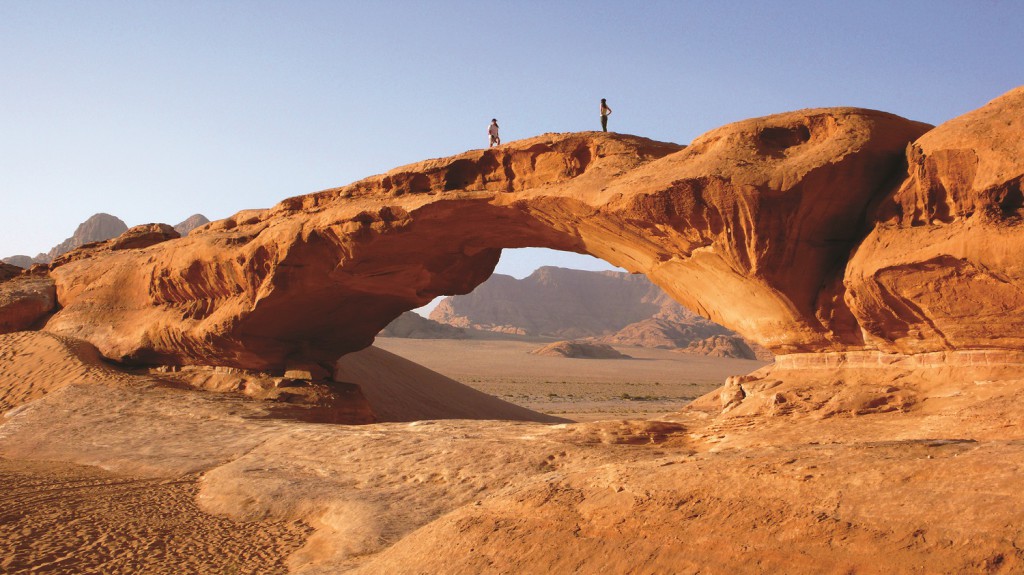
x,y
753,225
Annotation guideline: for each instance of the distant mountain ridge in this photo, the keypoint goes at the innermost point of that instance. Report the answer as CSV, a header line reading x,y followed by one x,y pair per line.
x,y
558,302
606,307
191,223
99,227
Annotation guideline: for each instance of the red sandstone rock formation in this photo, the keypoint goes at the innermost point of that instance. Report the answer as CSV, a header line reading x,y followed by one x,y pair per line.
x,y
24,301
320,275
752,225
942,268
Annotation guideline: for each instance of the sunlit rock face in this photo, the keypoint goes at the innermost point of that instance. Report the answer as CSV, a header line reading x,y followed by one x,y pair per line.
x,y
24,301
942,267
801,231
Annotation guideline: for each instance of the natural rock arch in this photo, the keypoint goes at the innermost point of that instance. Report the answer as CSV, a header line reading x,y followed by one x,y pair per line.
x,y
752,225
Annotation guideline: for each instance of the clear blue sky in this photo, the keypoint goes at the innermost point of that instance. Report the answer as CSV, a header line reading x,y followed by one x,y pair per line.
x,y
155,110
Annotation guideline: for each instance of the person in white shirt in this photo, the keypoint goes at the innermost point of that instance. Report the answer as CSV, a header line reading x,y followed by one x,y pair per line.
x,y
493,131
605,112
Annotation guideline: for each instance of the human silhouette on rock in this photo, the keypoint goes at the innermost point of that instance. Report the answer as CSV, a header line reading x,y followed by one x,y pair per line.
x,y
605,112
493,131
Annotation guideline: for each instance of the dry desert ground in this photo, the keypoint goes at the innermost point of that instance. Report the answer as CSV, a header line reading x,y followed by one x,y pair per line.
x,y
653,382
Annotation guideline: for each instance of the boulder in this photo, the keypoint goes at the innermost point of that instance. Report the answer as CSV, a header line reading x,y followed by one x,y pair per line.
x,y
8,271
143,236
24,301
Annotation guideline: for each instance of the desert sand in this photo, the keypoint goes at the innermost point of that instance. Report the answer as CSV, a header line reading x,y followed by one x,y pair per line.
x,y
653,382
64,518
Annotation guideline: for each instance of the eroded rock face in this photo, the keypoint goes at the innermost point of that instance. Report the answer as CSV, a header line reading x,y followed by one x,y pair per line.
x,y
942,268
319,275
752,226
24,301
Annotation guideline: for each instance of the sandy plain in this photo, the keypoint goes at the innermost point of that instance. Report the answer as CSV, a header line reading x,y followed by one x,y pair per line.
x,y
651,383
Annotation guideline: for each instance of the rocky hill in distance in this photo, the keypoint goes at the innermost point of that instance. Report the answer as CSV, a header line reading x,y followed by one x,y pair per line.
x,y
608,307
412,325
98,228
191,223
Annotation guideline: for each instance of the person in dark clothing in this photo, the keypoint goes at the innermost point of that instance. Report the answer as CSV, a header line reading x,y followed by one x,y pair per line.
x,y
605,112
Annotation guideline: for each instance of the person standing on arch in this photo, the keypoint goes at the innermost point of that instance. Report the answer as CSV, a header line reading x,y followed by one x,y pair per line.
x,y
605,112
493,132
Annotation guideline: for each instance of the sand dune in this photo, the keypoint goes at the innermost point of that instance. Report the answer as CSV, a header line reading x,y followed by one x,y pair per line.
x,y
34,363
400,390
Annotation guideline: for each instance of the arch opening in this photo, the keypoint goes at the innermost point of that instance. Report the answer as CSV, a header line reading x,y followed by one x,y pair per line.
x,y
580,344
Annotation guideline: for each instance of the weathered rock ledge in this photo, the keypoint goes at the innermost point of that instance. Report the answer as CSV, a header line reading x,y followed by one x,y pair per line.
x,y
880,360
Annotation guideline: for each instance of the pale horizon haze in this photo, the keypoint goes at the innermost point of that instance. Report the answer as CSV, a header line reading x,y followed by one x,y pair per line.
x,y
155,110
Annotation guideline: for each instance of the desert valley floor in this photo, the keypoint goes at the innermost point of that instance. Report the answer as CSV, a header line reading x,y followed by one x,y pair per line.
x,y
652,382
